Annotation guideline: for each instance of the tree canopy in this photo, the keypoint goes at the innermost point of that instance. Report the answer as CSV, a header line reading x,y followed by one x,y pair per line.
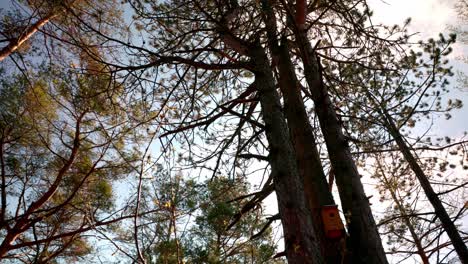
x,y
226,131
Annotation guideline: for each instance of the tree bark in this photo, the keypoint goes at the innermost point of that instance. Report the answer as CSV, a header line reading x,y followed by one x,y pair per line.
x,y
302,137
307,157
441,213
24,36
301,243
364,242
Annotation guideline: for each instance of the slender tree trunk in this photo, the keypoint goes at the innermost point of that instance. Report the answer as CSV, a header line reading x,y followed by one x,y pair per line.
x,y
3,187
396,198
301,244
365,243
441,213
24,36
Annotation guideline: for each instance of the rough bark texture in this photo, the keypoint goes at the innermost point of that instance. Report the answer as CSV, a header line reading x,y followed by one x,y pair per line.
x,y
365,243
308,159
301,244
441,213
301,11
302,137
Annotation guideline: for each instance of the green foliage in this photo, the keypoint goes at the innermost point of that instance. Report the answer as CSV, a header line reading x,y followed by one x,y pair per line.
x,y
366,69
207,239
55,142
167,252
213,242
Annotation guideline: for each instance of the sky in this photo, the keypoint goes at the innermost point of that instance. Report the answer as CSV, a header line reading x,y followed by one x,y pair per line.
x,y
429,18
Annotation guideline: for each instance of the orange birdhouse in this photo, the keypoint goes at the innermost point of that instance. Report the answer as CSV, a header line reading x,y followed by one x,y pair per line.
x,y
332,224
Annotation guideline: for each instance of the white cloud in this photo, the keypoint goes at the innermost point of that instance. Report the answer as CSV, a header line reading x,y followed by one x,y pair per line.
x,y
429,17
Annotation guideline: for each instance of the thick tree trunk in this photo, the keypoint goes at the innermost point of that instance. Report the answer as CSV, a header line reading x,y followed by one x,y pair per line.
x,y
301,244
441,213
365,243
24,36
302,137
308,159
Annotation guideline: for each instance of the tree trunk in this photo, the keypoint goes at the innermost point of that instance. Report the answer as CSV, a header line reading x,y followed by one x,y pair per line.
x,y
24,36
365,243
308,160
441,213
302,137
301,244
